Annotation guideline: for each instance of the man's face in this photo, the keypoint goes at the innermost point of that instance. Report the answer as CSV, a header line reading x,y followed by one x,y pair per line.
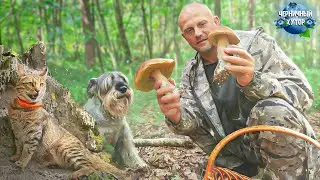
x,y
196,26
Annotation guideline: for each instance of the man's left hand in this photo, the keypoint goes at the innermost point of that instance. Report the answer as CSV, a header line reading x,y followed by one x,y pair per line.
x,y
241,65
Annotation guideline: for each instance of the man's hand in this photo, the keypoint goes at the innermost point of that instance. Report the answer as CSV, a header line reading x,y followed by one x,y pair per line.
x,y
242,65
168,101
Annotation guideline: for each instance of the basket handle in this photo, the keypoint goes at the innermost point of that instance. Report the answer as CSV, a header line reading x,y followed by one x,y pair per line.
x,y
257,128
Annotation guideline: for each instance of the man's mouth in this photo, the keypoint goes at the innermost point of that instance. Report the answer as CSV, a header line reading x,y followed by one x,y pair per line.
x,y
201,41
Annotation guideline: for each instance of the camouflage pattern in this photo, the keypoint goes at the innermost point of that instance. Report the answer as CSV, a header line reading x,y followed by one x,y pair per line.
x,y
282,94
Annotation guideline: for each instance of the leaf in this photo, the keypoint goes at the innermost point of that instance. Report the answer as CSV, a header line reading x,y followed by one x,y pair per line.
x,y
305,34
53,96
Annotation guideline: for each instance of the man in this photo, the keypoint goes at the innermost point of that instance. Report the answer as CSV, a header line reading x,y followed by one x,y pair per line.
x,y
265,87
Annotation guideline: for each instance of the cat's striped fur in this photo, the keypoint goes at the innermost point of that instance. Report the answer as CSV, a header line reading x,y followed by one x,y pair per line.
x,y
39,136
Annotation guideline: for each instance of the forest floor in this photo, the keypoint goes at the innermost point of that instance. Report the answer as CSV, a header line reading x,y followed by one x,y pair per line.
x,y
165,162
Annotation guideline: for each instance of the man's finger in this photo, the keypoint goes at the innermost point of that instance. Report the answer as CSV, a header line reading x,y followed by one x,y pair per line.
x,y
238,51
172,81
167,107
164,90
157,84
237,61
239,69
170,98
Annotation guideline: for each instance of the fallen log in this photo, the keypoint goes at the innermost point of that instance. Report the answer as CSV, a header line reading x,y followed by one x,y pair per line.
x,y
174,142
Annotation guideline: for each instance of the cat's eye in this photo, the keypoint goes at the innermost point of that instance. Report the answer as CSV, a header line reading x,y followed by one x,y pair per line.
x,y
41,84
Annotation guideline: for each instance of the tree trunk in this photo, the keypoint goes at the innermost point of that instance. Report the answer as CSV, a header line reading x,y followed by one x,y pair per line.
x,y
89,32
175,142
110,48
17,26
121,30
250,14
231,9
40,29
59,26
150,28
176,6
240,17
145,28
217,8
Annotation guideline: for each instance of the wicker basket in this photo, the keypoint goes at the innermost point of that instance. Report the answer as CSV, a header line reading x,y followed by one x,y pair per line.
x,y
218,173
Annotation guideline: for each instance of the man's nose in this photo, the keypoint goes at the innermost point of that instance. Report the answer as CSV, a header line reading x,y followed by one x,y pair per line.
x,y
198,32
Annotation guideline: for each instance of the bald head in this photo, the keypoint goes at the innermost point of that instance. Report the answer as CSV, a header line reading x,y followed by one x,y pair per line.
x,y
193,9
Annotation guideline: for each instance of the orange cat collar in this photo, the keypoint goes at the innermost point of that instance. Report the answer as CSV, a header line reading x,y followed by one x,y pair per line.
x,y
27,105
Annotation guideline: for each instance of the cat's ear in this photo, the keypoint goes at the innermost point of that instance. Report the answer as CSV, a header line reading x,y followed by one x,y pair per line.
x,y
44,73
20,70
92,87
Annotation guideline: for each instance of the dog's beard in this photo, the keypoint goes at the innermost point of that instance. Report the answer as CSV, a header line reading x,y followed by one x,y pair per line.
x,y
117,104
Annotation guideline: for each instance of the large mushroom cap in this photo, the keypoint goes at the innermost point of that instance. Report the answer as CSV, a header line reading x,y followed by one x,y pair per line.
x,y
223,30
143,80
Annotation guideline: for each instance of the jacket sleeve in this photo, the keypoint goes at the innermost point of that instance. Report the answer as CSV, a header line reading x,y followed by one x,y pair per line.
x,y
190,118
277,76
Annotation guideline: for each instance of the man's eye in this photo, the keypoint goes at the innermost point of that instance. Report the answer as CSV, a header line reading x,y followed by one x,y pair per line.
x,y
189,30
202,24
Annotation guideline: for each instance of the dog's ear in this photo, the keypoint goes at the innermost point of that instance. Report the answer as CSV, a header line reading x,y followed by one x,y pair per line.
x,y
92,87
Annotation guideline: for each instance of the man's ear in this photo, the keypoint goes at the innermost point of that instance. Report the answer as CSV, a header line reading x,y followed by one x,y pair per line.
x,y
92,87
216,20
21,70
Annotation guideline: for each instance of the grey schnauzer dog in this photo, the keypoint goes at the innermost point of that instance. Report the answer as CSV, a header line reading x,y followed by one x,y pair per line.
x,y
110,97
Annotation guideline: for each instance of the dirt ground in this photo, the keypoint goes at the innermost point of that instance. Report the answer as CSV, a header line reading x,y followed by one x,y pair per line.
x,y
165,162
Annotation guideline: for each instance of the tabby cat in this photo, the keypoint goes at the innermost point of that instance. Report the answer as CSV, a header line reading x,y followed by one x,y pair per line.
x,y
39,136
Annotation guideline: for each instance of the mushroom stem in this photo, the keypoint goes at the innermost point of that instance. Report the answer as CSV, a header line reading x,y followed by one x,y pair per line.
x,y
220,74
157,75
222,43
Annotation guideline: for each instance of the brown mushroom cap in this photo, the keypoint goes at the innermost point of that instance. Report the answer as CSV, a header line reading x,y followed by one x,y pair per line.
x,y
223,30
143,80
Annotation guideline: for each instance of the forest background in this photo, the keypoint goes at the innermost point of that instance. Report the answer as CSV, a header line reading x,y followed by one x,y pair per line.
x,y
86,38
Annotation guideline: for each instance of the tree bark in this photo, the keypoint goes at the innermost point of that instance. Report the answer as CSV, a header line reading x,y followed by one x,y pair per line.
x,y
145,28
59,26
217,8
175,142
250,13
89,32
122,31
17,26
110,48
176,6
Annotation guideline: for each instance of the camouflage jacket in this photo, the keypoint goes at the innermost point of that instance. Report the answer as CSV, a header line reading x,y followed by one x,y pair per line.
x,y
275,75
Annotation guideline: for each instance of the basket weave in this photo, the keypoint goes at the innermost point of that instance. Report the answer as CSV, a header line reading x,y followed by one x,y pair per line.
x,y
218,173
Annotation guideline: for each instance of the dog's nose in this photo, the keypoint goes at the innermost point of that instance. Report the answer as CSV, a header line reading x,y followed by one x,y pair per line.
x,y
122,89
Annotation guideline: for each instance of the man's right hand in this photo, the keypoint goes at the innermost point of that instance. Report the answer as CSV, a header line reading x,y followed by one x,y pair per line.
x,y
168,100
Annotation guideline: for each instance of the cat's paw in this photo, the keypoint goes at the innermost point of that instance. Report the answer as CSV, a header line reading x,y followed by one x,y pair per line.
x,y
15,157
21,164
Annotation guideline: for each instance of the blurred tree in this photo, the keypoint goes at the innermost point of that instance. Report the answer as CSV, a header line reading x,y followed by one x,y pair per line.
x,y
110,48
217,8
89,31
250,14
17,25
122,31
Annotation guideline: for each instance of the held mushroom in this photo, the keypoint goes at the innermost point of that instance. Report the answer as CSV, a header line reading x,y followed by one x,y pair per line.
x,y
221,37
151,71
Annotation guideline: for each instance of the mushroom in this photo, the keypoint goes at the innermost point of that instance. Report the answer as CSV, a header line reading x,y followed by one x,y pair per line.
x,y
221,37
151,71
